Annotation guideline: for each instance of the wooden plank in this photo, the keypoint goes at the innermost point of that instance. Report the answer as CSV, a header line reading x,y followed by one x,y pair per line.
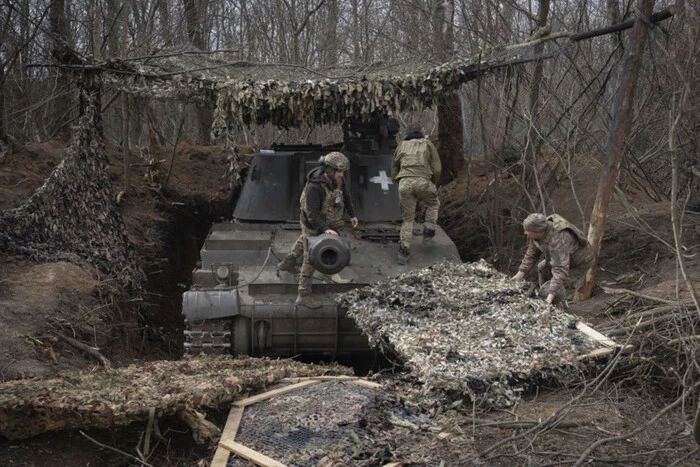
x,y
247,453
273,393
220,458
369,384
319,378
595,335
605,351
221,455
333,378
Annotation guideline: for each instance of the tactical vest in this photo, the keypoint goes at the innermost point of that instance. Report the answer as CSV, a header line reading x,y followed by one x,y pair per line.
x,y
332,206
560,224
584,253
415,154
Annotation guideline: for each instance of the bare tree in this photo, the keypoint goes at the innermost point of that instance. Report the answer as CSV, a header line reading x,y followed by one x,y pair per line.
x,y
617,140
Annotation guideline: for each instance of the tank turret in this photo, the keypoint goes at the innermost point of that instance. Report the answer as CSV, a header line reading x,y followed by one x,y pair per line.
x,y
240,303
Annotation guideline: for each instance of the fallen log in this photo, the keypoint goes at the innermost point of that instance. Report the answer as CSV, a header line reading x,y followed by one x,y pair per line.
x,y
108,398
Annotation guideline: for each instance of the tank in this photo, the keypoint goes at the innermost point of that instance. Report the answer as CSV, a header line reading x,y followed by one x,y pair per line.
x,y
240,303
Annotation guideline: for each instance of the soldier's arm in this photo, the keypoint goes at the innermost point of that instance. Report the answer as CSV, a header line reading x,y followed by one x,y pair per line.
x,y
530,258
563,245
395,163
347,200
314,199
435,164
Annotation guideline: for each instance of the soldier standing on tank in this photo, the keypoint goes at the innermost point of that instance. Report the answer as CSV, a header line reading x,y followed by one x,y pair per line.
x,y
416,166
324,200
566,252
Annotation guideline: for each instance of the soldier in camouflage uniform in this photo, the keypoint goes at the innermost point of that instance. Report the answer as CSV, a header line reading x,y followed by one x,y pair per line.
x,y
565,250
416,166
324,200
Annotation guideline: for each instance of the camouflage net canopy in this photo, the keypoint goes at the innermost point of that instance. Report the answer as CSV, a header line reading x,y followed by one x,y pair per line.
x,y
467,328
110,398
72,216
293,96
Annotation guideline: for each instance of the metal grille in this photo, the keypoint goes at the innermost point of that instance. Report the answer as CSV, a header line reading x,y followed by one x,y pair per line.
x,y
303,426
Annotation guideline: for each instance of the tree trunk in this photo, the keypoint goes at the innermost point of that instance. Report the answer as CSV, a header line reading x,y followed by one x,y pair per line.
x,y
622,119
449,109
125,100
533,142
3,116
62,55
197,33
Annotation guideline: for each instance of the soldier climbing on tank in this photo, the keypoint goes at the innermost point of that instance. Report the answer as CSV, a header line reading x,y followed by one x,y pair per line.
x,y
416,166
567,255
324,200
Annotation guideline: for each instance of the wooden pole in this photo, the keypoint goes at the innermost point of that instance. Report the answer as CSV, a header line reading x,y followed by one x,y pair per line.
x,y
622,119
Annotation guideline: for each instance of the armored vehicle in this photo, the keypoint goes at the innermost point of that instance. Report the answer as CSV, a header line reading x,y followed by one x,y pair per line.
x,y
240,302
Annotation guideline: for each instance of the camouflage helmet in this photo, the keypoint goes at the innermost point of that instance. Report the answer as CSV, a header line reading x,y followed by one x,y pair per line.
x,y
335,160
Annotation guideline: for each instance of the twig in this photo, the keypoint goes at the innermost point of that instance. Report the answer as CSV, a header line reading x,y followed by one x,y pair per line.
x,y
172,157
611,290
140,461
519,424
553,420
85,348
595,445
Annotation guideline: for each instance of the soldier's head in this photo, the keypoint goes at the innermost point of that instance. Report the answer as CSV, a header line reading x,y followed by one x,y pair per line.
x,y
336,164
535,226
414,131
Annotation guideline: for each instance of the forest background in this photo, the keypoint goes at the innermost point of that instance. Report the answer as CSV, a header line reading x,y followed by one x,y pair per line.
x,y
530,130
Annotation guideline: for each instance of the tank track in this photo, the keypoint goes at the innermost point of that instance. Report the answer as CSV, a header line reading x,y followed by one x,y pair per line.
x,y
211,336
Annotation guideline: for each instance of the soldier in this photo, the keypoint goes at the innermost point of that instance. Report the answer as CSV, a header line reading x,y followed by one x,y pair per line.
x,y
416,166
324,200
566,251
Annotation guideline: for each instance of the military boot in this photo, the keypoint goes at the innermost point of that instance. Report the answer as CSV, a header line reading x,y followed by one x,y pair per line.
x,y
428,234
404,254
289,264
307,301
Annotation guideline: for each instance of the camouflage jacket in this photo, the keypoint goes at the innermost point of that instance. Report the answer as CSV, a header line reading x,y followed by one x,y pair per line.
x,y
416,157
564,247
323,203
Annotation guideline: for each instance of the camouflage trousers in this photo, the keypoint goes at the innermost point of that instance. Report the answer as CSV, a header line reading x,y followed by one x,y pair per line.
x,y
301,247
574,281
412,190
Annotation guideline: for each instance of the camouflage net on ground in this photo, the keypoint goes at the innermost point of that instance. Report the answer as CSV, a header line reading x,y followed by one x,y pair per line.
x,y
72,216
109,398
467,328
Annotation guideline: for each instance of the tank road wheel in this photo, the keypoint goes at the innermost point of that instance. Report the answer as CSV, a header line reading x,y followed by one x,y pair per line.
x,y
211,336
240,335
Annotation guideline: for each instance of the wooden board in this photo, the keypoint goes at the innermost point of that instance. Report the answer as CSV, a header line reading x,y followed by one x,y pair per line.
x,y
249,454
273,393
605,351
229,434
368,384
595,335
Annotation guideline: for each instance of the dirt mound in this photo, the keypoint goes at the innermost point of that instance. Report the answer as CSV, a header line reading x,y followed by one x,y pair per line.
x,y
40,300
37,301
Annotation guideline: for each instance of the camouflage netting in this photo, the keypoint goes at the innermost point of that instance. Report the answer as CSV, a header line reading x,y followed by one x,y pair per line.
x,y
292,96
72,216
467,328
110,398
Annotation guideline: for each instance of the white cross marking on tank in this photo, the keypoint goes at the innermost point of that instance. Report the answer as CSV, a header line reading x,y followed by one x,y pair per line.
x,y
383,180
